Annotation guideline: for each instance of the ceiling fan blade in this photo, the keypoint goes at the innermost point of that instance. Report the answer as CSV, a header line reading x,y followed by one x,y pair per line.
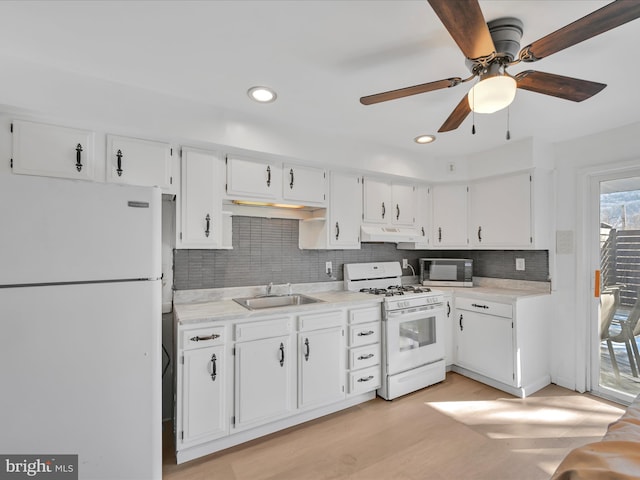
x,y
457,116
466,24
408,91
568,88
606,18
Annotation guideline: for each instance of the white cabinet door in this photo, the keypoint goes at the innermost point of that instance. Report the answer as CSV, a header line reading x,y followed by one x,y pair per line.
x,y
376,201
200,201
138,162
265,380
485,345
450,331
423,215
253,179
403,202
449,203
52,151
203,403
500,212
345,210
304,185
321,370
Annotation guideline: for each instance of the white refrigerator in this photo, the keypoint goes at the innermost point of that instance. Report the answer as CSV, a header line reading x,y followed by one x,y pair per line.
x,y
80,320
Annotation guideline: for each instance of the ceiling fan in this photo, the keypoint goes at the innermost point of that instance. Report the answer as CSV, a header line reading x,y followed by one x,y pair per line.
x,y
491,48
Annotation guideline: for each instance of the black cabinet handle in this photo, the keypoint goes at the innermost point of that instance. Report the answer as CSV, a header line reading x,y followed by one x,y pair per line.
x,y
337,230
268,175
307,349
384,210
365,357
448,309
213,367
366,379
480,234
207,230
281,354
119,157
79,157
213,336
397,212
422,229
477,305
439,234
291,182
460,323
364,334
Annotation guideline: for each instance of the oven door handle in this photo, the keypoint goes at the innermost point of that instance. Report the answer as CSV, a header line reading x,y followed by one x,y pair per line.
x,y
415,313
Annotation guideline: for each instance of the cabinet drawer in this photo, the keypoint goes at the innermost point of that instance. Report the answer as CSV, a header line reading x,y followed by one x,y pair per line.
x,y
365,380
364,334
202,337
363,315
263,329
366,356
487,307
315,321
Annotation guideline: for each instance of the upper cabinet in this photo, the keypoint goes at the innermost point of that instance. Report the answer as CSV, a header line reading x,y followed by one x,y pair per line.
x,y
500,213
52,151
423,220
304,185
134,161
253,179
275,182
199,205
385,202
449,207
339,226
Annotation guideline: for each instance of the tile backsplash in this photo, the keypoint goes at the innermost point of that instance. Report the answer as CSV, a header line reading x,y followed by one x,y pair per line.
x,y
266,250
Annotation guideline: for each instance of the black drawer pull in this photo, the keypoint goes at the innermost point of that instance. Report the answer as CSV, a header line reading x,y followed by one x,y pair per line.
x,y
477,305
364,334
213,336
365,357
366,379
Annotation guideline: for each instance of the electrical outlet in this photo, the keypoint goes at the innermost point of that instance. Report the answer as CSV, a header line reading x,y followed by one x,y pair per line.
x,y
405,263
519,263
328,268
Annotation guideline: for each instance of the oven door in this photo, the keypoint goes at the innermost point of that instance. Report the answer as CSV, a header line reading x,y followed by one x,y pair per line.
x,y
413,337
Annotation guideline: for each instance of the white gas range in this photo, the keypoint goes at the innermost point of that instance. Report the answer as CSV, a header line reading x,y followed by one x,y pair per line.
x,y
413,327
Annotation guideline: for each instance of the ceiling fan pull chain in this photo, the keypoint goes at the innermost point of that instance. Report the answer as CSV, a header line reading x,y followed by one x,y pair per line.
x,y
473,114
508,132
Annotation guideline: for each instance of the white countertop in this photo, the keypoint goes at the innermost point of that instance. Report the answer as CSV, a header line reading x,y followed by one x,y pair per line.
x,y
226,309
216,304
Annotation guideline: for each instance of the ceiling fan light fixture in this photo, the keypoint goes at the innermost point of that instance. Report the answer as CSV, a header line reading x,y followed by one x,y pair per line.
x,y
492,93
262,94
424,139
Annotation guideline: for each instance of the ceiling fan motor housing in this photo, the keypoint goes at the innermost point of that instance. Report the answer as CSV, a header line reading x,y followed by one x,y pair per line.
x,y
506,34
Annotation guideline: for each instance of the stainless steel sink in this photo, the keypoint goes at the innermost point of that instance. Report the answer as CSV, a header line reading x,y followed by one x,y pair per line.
x,y
270,301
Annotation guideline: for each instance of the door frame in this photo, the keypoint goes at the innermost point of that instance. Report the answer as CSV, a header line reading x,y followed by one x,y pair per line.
x,y
588,260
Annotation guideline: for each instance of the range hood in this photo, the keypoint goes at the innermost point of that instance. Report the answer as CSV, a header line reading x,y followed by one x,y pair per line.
x,y
382,233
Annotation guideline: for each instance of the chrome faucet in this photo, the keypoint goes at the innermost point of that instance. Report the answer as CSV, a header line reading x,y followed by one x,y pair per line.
x,y
269,287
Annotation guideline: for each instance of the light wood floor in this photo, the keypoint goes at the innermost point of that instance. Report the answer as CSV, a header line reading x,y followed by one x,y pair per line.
x,y
456,430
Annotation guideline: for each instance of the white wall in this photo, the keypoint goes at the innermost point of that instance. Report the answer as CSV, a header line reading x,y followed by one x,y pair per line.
x,y
575,162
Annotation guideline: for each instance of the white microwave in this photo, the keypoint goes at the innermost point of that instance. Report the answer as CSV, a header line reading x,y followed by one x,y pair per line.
x,y
446,272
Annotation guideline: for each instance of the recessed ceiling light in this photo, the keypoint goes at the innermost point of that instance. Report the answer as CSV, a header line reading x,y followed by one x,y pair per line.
x,y
422,139
262,94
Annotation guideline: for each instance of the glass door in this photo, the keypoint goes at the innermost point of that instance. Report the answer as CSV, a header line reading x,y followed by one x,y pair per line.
x,y
615,358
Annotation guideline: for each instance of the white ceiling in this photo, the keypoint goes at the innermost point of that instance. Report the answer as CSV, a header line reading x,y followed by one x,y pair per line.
x,y
320,57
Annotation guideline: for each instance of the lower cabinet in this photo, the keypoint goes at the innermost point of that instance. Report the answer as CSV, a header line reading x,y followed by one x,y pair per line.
x,y
264,380
202,383
264,371
364,350
485,341
504,344
277,371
